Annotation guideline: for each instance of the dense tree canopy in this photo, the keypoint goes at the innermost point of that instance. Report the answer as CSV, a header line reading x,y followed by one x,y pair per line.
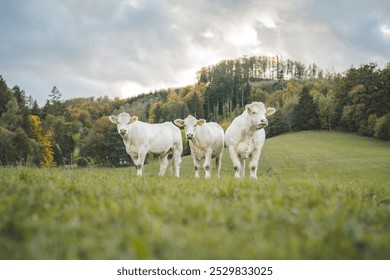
x,y
65,132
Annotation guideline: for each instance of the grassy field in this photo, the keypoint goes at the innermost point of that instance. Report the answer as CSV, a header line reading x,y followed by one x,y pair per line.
x,y
319,195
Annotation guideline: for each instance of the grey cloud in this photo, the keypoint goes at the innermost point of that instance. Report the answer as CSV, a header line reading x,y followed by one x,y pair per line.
x,y
89,47
357,25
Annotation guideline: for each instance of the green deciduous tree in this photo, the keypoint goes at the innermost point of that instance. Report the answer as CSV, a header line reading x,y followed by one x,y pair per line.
x,y
17,148
382,127
327,110
11,118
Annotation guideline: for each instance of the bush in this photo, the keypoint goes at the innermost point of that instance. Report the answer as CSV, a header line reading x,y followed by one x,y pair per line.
x,y
371,123
382,127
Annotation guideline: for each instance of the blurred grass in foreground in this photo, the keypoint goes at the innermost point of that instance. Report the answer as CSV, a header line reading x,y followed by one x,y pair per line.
x,y
319,195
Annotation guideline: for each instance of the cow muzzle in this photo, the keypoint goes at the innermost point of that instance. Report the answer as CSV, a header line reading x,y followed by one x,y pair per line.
x,y
123,132
190,136
263,123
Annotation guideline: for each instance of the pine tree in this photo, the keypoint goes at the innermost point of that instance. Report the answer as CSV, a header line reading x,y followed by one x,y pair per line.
x,y
5,95
277,124
55,95
54,105
305,112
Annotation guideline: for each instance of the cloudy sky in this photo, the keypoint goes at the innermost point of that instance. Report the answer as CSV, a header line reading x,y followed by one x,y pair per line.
x,y
123,47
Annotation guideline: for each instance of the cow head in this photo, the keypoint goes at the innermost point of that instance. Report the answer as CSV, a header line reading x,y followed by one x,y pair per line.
x,y
122,121
189,124
258,114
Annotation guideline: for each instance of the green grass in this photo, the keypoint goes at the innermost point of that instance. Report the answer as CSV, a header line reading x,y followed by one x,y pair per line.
x,y
319,195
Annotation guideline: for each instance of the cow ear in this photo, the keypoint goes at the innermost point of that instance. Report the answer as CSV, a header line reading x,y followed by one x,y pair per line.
x,y
270,111
201,122
179,122
133,119
248,107
113,119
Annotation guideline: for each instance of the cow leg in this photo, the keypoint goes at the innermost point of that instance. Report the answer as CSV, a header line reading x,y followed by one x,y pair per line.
x,y
242,171
139,163
135,159
138,166
195,160
196,166
218,161
176,160
163,164
207,164
253,174
196,163
236,161
253,164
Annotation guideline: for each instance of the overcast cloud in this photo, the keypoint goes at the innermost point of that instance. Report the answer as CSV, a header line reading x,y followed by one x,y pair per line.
x,y
125,47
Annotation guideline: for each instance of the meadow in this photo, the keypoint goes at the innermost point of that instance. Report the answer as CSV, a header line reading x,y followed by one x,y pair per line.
x,y
319,195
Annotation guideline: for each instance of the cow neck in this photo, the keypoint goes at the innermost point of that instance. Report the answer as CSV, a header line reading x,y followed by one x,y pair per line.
x,y
248,129
127,137
194,141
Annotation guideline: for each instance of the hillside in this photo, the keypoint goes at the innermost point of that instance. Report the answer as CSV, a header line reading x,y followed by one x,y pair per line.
x,y
314,154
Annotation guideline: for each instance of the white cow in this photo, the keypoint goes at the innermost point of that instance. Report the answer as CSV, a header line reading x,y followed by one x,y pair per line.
x,y
142,138
206,142
245,138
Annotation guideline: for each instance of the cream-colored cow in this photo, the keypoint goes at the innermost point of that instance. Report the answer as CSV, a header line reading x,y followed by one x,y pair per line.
x,y
142,138
245,138
206,142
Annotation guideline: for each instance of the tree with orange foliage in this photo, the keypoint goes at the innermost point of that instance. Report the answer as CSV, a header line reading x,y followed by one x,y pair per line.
x,y
44,140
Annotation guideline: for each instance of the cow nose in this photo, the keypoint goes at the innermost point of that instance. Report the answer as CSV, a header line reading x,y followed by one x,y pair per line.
x,y
264,121
122,131
190,136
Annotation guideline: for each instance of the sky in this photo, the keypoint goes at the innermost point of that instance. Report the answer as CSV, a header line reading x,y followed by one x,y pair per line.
x,y
121,48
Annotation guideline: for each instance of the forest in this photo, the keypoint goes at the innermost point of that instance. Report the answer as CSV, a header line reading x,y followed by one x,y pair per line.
x,y
77,131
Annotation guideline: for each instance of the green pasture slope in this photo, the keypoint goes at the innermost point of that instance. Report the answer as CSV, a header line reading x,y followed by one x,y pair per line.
x,y
320,195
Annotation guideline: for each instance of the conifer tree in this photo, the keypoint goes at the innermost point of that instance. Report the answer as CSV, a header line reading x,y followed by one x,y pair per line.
x,y
305,112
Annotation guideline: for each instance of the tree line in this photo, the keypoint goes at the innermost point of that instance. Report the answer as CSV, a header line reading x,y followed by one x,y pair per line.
x,y
77,131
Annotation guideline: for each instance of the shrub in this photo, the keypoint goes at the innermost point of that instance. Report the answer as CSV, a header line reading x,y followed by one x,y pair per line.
x,y
382,127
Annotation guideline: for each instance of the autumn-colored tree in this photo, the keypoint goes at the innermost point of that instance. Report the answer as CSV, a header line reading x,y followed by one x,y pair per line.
x,y
66,136
155,112
193,96
44,139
